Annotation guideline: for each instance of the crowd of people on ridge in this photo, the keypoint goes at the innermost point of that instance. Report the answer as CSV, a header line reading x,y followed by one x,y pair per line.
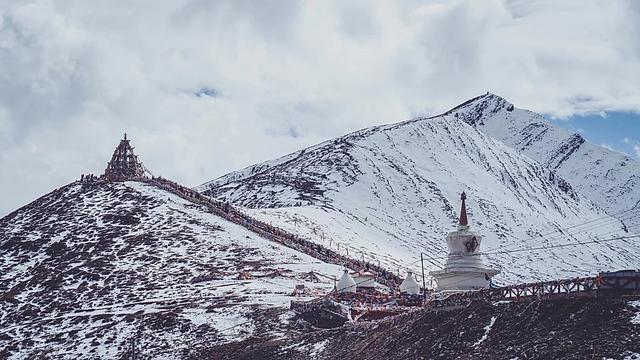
x,y
276,234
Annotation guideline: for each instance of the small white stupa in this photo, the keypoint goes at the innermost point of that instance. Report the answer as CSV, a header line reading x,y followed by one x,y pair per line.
x,y
464,269
346,283
364,279
409,285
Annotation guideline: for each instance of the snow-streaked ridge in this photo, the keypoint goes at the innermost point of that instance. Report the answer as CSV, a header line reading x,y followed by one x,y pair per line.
x,y
608,178
388,193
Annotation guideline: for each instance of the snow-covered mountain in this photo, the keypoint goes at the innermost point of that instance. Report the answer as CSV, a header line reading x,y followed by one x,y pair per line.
x,y
91,266
610,179
389,192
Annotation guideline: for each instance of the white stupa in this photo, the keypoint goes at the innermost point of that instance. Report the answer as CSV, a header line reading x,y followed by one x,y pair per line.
x,y
464,269
346,283
364,279
409,285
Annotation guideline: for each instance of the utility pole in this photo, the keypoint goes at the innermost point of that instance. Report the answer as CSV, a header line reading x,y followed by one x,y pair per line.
x,y
424,286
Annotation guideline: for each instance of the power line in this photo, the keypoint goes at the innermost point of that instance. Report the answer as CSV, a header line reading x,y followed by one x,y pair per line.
x,y
546,247
607,219
560,235
594,223
563,245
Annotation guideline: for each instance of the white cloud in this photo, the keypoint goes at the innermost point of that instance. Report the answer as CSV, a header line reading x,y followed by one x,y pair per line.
x,y
76,74
607,146
634,145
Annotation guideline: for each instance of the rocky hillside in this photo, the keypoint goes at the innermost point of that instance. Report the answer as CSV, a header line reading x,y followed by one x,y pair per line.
x,y
388,193
610,179
582,328
89,267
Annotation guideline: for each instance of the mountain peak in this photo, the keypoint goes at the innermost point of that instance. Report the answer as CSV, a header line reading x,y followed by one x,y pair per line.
x,y
476,110
605,177
372,190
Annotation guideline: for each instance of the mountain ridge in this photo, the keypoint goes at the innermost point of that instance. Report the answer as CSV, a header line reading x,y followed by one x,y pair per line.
x,y
609,178
389,192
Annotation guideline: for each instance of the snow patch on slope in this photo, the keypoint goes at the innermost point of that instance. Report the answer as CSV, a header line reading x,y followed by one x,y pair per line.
x,y
486,332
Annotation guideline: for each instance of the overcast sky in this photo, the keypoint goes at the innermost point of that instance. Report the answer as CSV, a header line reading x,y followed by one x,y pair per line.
x,y
206,87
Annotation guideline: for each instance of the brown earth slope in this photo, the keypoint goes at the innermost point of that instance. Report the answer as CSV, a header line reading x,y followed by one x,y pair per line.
x,y
584,328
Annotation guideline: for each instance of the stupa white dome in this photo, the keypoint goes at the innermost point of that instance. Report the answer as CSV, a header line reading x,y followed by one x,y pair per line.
x,y
346,284
409,285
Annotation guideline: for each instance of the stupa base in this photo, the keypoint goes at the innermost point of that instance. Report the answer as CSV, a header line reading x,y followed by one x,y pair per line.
x,y
463,280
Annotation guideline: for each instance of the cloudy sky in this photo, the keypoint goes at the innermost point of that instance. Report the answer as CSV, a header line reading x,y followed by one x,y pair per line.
x,y
206,87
